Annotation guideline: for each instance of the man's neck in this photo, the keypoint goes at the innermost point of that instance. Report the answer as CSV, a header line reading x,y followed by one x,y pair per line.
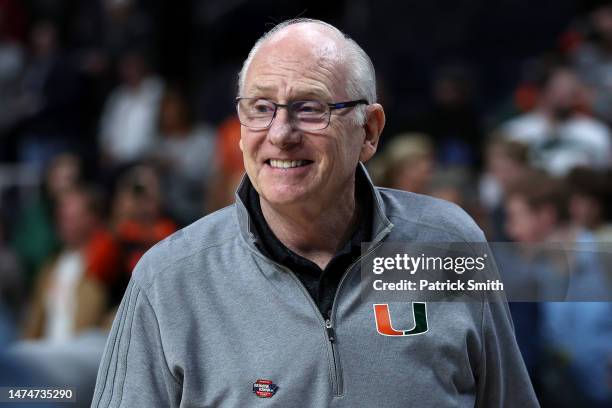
x,y
314,232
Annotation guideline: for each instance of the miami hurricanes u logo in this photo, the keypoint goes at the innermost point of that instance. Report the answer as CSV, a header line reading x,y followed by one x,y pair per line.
x,y
383,320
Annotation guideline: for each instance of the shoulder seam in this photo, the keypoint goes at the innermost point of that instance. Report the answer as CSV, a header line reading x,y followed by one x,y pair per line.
x,y
147,285
409,194
432,227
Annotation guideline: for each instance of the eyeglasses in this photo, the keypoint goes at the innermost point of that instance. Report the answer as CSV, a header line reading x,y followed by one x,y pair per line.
x,y
258,113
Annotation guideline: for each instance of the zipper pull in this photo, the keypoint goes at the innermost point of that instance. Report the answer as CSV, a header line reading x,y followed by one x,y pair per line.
x,y
331,334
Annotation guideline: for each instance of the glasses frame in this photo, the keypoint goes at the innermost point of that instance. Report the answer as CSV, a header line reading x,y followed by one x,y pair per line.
x,y
330,108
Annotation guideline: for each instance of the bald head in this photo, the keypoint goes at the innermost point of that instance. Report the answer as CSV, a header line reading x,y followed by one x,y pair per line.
x,y
300,66
318,42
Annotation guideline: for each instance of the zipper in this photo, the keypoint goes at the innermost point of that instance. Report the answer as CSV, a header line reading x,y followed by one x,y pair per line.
x,y
331,334
336,371
337,375
337,378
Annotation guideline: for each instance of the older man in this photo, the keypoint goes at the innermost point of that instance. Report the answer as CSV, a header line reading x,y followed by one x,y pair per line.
x,y
259,303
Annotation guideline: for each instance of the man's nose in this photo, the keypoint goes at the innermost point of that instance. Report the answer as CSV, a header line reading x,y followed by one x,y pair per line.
x,y
281,133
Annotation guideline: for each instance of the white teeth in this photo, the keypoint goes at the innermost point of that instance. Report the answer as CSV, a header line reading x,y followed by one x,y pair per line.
x,y
286,164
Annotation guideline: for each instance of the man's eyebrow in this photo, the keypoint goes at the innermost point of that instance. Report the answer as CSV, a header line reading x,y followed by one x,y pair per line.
x,y
298,94
311,94
262,88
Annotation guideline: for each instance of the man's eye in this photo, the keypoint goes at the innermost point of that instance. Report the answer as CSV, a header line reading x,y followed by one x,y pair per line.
x,y
309,108
263,107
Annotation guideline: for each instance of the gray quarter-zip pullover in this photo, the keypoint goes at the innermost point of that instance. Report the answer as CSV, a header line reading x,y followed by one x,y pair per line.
x,y
206,316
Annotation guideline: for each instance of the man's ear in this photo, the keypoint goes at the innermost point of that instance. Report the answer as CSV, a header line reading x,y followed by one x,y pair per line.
x,y
375,122
240,144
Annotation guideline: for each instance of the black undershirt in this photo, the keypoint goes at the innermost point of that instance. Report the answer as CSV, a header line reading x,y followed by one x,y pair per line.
x,y
321,284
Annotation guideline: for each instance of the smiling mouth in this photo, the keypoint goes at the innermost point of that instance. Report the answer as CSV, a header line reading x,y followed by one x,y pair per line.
x,y
287,164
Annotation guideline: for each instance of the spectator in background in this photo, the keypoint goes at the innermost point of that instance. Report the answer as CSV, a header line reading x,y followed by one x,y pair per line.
x,y
506,161
184,156
576,335
138,221
72,290
103,30
127,126
590,207
590,203
559,136
454,184
407,163
51,91
228,165
35,238
593,60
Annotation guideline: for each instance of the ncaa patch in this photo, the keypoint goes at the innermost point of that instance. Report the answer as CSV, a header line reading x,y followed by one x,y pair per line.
x,y
264,388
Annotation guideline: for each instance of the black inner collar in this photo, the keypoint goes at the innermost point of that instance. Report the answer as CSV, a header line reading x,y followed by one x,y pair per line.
x,y
321,284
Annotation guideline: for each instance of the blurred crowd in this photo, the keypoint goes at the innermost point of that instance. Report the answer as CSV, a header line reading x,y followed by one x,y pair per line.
x,y
540,173
102,156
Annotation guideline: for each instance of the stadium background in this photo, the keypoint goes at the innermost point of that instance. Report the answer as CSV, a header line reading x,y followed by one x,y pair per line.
x,y
117,126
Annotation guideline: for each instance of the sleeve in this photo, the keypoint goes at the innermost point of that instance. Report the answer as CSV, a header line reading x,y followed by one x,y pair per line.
x,y
134,371
501,376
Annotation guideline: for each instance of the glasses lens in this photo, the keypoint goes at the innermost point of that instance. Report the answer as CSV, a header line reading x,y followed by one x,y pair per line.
x,y
309,115
255,113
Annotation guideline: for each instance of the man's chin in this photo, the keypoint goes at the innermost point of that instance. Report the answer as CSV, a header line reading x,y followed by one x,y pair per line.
x,y
285,197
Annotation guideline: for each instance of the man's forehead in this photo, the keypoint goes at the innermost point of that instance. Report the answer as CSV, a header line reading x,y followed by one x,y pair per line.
x,y
304,91
305,48
307,43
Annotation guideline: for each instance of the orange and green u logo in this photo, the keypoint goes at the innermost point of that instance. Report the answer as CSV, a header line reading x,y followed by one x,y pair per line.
x,y
383,320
